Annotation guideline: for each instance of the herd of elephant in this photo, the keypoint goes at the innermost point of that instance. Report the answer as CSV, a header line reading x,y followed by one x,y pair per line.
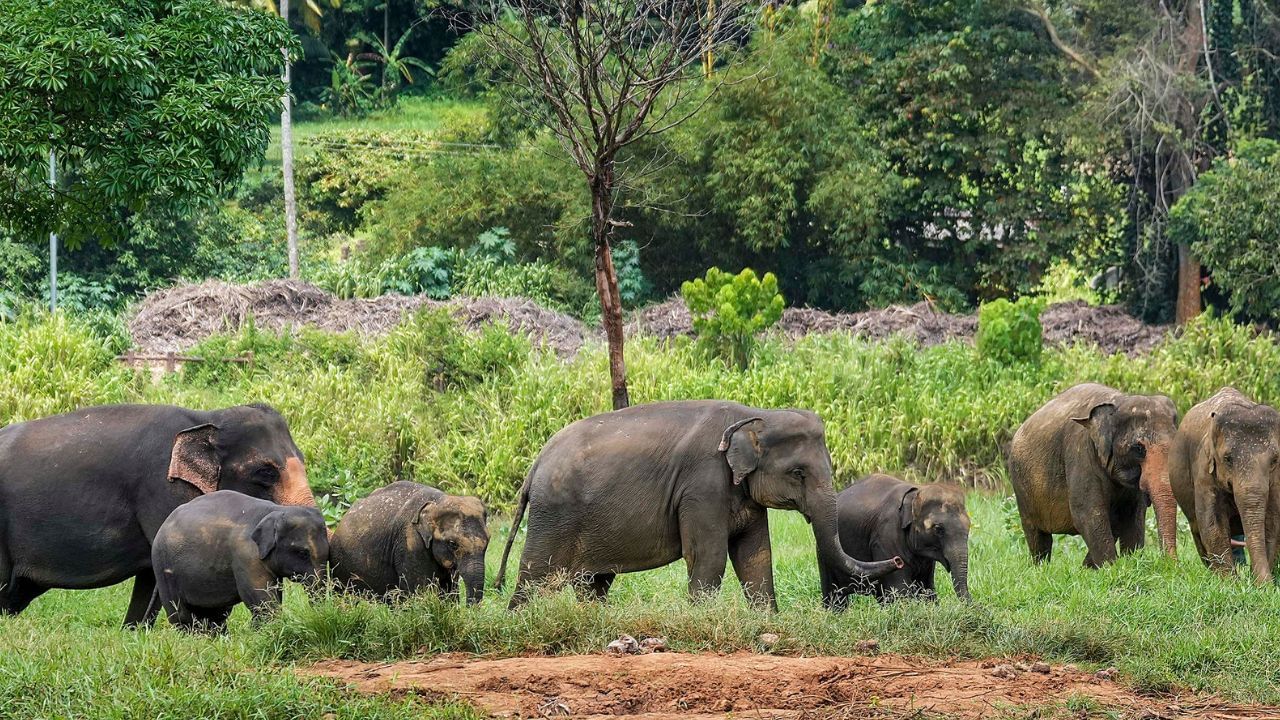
x,y
208,509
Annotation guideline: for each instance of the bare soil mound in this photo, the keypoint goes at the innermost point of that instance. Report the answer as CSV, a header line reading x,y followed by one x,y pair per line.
x,y
674,685
1108,327
175,319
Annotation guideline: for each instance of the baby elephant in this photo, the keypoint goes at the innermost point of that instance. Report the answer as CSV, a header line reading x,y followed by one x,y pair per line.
x,y
880,517
407,537
225,547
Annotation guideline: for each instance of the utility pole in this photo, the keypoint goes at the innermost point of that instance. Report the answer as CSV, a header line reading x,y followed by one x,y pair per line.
x,y
53,238
286,160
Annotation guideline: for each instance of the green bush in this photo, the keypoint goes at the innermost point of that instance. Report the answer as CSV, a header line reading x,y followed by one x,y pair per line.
x,y
1229,220
1010,332
730,310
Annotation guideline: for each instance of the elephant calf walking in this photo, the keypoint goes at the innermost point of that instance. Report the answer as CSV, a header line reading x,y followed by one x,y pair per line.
x,y
1225,472
881,516
642,487
1086,463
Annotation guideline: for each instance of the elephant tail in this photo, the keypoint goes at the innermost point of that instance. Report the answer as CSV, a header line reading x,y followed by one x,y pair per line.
x,y
515,526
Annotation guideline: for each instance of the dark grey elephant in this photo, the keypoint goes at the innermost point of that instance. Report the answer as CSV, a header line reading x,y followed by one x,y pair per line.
x,y
226,548
1086,464
406,537
1225,475
882,517
83,494
642,487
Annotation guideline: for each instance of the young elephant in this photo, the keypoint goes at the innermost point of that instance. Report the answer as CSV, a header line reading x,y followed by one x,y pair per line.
x,y
407,537
1224,472
880,517
639,488
1086,463
225,547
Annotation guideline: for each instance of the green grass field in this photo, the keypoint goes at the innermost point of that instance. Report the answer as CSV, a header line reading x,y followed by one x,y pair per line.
x,y
1164,624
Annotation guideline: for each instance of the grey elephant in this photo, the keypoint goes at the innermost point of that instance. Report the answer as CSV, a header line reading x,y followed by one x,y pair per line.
x,y
639,488
881,517
226,548
1086,463
406,537
1224,473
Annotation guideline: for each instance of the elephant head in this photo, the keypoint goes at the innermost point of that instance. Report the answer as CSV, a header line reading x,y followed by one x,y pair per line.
x,y
453,530
247,449
937,528
294,543
785,464
1242,455
1131,437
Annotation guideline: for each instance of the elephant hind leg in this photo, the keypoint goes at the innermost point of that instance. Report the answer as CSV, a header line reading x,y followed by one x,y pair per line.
x,y
18,594
540,563
212,620
1039,542
595,586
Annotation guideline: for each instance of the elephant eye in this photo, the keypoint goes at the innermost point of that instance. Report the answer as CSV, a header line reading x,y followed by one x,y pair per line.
x,y
797,473
268,472
1138,450
939,530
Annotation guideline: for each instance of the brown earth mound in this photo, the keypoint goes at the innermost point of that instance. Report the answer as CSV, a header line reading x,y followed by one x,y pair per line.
x,y
177,318
1108,327
664,686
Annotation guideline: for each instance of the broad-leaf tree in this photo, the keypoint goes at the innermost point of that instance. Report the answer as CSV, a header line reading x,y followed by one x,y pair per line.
x,y
146,103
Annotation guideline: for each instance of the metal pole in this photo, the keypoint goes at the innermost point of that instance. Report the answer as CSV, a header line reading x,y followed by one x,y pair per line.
x,y
53,240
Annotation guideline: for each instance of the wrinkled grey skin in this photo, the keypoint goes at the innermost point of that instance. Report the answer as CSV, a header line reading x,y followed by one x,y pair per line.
x,y
881,517
639,488
225,548
407,537
1225,473
1086,464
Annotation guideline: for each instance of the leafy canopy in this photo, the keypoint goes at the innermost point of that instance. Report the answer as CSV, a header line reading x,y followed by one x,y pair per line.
x,y
729,310
147,103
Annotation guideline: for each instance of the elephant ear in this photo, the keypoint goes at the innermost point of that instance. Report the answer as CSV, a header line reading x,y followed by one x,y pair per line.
x,y
741,449
266,534
1100,422
423,525
907,508
194,458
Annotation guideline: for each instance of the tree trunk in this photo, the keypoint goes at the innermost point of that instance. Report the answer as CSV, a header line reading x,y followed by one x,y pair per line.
x,y
601,184
286,159
1188,285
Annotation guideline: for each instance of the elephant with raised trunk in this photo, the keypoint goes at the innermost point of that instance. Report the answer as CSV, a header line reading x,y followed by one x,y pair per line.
x,y
882,517
639,488
1087,463
83,494
408,537
1226,477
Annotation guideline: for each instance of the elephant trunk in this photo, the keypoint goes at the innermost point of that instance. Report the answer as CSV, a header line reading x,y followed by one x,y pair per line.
x,y
826,534
1155,481
472,574
957,554
1254,520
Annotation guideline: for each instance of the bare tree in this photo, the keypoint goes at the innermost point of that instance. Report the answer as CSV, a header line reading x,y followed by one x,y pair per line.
x,y
286,160
604,75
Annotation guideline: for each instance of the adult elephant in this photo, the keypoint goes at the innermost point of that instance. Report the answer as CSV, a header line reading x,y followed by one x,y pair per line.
x,y
82,495
1087,462
642,487
1226,476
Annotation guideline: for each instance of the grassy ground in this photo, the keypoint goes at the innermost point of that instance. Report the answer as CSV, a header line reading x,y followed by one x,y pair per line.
x,y
1164,624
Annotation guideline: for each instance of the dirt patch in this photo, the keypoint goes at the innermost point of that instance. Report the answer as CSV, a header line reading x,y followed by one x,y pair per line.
x,y
1108,327
675,685
175,319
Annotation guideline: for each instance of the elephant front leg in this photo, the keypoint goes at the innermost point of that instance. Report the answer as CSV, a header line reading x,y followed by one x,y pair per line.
x,y
1090,513
752,556
143,603
259,590
704,541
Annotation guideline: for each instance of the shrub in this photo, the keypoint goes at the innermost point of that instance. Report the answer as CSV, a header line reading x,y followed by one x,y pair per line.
x,y
729,310
1010,332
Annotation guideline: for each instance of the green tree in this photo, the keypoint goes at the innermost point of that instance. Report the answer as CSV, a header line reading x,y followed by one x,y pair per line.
x,y
1228,220
147,104
730,310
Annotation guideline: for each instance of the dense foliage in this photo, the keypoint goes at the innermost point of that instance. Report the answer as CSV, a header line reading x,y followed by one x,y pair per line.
x,y
1229,219
729,311
147,103
1010,332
